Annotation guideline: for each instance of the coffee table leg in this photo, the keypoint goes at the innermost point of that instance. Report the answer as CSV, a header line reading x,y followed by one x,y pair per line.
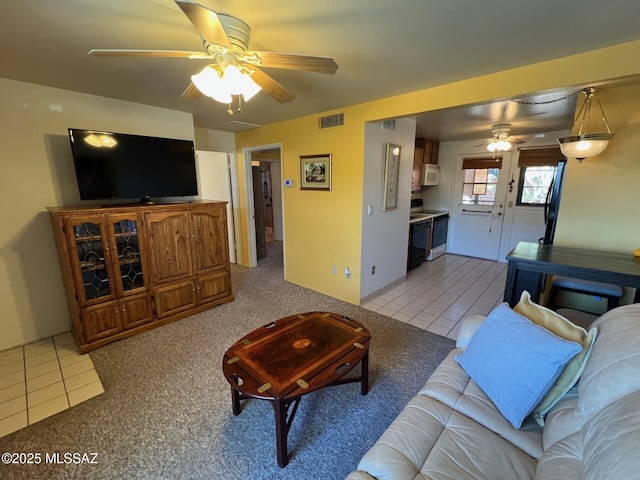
x,y
235,401
280,410
364,381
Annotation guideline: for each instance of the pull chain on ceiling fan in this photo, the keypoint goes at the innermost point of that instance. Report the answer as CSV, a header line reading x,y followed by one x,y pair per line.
x,y
234,70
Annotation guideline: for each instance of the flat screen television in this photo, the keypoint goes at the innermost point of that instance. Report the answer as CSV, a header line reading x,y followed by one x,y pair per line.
x,y
120,166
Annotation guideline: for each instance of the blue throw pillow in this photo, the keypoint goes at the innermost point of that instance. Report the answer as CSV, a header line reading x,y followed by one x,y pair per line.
x,y
515,361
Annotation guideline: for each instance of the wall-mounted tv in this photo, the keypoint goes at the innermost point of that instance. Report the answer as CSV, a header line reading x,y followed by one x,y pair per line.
x,y
120,166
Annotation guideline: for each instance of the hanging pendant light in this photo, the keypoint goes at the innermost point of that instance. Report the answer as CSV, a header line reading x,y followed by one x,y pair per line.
x,y
586,144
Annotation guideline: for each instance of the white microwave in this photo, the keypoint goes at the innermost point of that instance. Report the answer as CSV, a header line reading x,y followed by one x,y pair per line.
x,y
430,174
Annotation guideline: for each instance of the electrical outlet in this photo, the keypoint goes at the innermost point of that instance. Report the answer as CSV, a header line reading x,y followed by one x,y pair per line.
x,y
347,272
333,269
373,270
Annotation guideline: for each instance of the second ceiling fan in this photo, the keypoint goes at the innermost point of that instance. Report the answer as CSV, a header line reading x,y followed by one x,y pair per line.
x,y
234,69
501,140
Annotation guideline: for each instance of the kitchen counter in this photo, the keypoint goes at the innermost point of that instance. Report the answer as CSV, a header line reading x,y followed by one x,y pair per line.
x,y
425,214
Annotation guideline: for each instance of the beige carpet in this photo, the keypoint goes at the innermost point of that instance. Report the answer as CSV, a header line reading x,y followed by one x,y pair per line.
x,y
166,411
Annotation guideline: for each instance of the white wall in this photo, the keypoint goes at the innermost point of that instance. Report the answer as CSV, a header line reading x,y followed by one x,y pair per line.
x,y
385,234
36,171
214,140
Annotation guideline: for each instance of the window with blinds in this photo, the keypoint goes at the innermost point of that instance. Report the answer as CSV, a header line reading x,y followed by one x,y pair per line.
x,y
480,180
537,170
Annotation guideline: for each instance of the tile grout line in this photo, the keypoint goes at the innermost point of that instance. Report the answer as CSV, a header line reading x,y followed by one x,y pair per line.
x,y
64,383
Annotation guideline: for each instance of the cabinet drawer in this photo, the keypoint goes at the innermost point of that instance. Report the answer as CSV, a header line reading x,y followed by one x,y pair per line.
x,y
174,298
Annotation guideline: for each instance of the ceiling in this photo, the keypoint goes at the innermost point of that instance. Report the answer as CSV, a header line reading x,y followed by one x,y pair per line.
x,y
382,47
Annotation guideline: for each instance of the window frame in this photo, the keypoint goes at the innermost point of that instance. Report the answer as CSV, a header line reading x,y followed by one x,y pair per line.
x,y
523,171
537,157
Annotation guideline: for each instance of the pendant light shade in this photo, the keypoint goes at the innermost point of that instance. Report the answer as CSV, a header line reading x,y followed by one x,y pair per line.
x,y
586,144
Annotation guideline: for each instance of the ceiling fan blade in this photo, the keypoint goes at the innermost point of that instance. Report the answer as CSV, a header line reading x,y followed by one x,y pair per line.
x,y
148,53
206,22
271,87
191,93
292,61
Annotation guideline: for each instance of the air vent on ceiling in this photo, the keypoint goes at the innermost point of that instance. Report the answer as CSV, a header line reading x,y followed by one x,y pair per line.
x,y
235,126
389,125
330,121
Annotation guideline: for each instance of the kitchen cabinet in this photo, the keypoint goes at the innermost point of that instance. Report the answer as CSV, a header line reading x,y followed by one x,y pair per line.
x,y
130,268
428,149
416,175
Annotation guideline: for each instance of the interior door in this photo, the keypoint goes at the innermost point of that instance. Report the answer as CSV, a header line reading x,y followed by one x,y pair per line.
x,y
478,205
215,184
261,248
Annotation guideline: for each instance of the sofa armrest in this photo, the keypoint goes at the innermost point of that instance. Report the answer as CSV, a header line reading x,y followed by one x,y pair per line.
x,y
467,329
359,475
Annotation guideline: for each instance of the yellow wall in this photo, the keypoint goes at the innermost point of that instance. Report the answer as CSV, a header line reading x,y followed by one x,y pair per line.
x,y
601,198
323,229
319,224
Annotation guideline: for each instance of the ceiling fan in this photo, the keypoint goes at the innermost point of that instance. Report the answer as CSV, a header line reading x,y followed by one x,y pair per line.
x,y
233,67
501,140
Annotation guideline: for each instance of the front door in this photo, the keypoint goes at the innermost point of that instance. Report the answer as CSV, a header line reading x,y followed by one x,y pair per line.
x,y
479,196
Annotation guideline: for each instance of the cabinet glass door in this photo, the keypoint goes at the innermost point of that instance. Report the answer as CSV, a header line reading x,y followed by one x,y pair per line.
x,y
88,237
126,253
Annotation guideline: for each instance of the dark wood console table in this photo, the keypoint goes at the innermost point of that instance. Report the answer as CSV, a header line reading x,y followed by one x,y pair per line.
x,y
529,262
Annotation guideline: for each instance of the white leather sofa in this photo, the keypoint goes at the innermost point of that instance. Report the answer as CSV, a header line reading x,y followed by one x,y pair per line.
x,y
452,430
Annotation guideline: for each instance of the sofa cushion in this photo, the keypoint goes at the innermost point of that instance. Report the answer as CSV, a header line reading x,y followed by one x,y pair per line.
x,y
451,385
611,441
515,361
562,461
561,420
612,370
431,440
562,327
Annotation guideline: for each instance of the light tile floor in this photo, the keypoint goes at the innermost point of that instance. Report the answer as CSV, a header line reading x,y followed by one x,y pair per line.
x,y
438,294
41,379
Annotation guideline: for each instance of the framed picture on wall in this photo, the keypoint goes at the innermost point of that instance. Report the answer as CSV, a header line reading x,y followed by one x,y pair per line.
x,y
315,172
391,173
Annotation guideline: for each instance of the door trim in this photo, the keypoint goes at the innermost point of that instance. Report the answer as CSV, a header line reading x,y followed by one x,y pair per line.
x,y
252,261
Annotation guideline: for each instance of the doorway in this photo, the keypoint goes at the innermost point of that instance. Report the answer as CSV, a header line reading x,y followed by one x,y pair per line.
x,y
478,203
263,176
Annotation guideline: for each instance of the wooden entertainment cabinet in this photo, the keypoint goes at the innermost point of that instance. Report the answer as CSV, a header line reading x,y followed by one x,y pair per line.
x,y
130,268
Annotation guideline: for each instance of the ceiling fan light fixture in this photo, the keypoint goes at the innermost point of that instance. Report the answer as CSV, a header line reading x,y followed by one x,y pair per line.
x,y
222,86
248,88
499,145
586,144
209,82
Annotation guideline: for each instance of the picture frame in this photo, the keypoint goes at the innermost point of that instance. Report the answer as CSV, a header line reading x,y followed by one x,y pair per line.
x,y
391,176
315,172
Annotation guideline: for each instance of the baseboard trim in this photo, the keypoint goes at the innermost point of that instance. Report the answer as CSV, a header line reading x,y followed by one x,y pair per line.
x,y
388,286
